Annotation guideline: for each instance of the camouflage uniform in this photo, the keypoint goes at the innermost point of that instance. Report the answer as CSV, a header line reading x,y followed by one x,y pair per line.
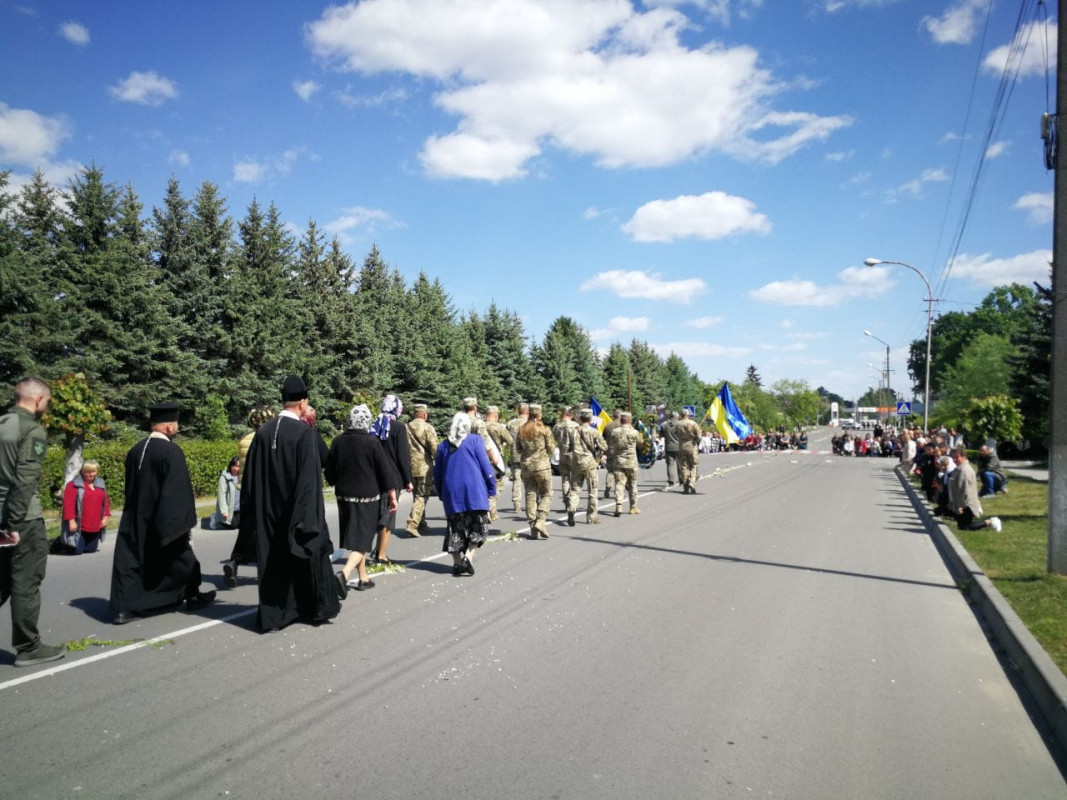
x,y
535,456
422,442
609,479
514,466
564,430
588,447
688,450
500,436
623,446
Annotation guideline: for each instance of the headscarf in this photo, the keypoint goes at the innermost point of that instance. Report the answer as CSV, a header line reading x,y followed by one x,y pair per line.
x,y
391,409
359,418
461,427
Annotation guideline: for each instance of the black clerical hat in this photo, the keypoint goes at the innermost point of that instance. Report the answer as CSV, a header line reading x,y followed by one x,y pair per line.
x,y
294,389
163,412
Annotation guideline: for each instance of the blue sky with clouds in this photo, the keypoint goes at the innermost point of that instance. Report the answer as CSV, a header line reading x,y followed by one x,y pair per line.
x,y
707,176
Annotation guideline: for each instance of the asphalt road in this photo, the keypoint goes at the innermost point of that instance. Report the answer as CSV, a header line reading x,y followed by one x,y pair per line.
x,y
788,632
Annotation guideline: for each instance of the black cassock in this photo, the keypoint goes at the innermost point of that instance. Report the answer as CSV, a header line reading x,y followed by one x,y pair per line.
x,y
154,563
283,509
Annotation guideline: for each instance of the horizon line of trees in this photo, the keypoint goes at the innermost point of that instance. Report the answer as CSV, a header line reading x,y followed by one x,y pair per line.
x,y
187,304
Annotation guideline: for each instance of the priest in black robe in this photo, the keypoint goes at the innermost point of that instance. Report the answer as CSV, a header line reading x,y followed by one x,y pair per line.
x,y
282,507
154,565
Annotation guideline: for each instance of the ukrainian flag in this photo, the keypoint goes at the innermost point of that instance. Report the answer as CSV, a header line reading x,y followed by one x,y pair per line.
x,y
600,416
727,417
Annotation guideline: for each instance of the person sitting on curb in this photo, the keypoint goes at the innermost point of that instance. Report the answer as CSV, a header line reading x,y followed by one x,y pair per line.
x,y
963,496
990,472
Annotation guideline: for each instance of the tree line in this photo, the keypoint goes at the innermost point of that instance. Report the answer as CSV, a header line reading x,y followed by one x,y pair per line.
x,y
186,303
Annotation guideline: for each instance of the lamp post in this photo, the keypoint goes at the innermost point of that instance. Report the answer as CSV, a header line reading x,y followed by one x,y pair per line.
x,y
874,262
888,391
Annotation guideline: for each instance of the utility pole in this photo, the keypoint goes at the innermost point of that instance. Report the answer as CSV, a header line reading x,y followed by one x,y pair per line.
x,y
1057,462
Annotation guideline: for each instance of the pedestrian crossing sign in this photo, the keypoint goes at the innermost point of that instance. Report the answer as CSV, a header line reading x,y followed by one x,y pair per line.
x,y
903,408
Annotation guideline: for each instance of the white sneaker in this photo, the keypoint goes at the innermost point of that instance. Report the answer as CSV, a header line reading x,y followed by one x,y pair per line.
x,y
996,524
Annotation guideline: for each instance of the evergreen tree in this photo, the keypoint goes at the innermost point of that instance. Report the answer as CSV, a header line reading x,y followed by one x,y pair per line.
x,y
616,371
554,362
380,308
682,386
211,250
649,385
753,377
505,339
1032,367
482,378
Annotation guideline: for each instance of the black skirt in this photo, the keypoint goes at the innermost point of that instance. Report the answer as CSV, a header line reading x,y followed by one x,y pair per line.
x,y
358,522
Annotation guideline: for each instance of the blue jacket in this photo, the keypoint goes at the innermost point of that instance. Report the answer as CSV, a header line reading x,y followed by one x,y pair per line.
x,y
463,476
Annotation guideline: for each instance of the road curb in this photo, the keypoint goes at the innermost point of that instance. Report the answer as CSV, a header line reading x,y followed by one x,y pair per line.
x,y
1039,673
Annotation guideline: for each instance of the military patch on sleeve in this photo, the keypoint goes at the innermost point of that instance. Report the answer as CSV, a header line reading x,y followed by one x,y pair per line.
x,y
39,448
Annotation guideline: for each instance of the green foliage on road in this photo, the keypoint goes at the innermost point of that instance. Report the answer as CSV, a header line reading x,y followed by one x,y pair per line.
x,y
1015,560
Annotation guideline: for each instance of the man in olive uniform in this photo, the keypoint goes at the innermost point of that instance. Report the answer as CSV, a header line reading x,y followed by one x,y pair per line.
x,y
24,554
688,433
622,451
587,448
671,447
609,480
422,442
522,414
501,438
564,431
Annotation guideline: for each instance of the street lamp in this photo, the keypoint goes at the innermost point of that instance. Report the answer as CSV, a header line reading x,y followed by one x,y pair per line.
x,y
874,262
888,391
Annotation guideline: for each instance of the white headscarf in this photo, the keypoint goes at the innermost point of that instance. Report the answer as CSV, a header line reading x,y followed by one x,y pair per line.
x,y
359,418
461,427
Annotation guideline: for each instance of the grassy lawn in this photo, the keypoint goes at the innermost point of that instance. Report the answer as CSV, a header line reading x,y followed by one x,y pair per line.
x,y
1015,560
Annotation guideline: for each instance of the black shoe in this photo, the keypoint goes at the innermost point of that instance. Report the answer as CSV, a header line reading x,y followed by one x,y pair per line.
x,y
364,585
342,584
229,573
457,570
468,566
570,520
200,599
123,617
41,654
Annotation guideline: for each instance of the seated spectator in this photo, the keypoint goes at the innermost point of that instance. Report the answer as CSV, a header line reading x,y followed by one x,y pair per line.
x,y
990,472
926,464
963,496
86,510
848,447
225,514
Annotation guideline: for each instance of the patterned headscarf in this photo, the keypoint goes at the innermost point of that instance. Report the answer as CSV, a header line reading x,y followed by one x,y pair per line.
x,y
359,418
391,409
461,427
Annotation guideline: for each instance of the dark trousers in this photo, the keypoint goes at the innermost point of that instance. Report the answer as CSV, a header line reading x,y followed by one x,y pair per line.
x,y
21,574
672,465
967,522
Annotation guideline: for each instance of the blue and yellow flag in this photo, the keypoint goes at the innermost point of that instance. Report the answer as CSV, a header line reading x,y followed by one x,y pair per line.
x,y
600,416
727,417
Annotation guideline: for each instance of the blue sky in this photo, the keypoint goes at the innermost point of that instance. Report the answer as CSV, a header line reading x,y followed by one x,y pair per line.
x,y
707,176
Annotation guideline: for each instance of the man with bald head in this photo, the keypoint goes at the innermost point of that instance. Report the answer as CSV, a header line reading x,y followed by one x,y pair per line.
x,y
24,552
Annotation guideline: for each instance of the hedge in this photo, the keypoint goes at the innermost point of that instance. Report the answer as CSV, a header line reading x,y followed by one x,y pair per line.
x,y
206,462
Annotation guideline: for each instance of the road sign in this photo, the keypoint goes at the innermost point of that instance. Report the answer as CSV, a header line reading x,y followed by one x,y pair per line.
x,y
903,408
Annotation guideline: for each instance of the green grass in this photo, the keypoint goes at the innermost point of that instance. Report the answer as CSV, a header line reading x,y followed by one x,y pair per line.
x,y
1015,560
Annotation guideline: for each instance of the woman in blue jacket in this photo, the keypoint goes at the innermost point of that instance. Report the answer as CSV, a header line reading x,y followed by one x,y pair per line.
x,y
465,481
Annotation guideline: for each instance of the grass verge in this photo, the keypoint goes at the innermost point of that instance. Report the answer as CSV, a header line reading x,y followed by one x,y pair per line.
x,y
1015,560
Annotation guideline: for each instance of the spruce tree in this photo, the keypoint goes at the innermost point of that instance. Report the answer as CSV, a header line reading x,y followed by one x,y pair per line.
x,y
505,339
616,376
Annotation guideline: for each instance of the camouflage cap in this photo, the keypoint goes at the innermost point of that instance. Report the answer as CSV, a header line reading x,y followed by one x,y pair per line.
x,y
492,410
258,415
586,413
419,407
626,416
470,401
535,408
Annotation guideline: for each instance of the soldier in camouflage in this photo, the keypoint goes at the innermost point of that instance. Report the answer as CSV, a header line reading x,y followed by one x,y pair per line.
x,y
564,431
688,433
587,448
609,481
501,438
522,413
622,451
422,442
24,551
535,446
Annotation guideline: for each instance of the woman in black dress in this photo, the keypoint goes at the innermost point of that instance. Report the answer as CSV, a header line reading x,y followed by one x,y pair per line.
x,y
394,438
362,475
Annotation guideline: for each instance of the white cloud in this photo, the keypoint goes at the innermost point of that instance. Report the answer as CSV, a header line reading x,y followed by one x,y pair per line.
x,y
986,271
703,322
949,137
712,215
843,155
914,187
598,78
387,97
857,179
250,170
591,213
958,24
27,138
833,6
1026,51
74,32
698,350
305,89
146,88
1038,205
806,336
179,158
996,149
642,285
853,282
365,220
619,325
